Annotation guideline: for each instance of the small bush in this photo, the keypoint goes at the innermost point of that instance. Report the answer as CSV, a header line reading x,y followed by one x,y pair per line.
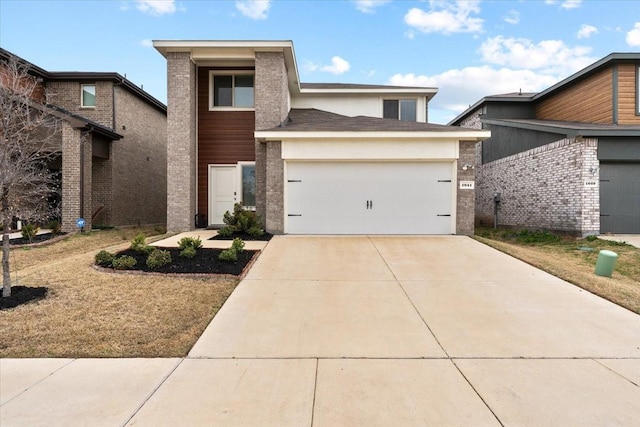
x,y
255,231
158,258
237,245
188,252
226,231
104,259
538,236
591,238
228,255
190,242
124,262
29,232
138,243
55,226
241,220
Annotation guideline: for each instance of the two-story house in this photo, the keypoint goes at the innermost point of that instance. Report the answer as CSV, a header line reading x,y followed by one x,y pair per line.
x,y
567,158
310,158
112,148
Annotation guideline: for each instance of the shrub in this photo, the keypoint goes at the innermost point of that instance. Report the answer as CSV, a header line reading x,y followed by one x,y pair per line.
x,y
237,245
228,255
124,262
255,231
226,231
55,226
29,232
591,238
537,236
241,220
190,242
158,258
138,243
104,259
188,252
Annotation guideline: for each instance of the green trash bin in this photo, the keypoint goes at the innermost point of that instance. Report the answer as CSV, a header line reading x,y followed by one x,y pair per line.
x,y
606,262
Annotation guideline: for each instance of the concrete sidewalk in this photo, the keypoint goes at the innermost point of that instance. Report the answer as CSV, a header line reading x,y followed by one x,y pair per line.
x,y
365,331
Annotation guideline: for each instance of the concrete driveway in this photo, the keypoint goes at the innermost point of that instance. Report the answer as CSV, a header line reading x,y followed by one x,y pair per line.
x,y
366,331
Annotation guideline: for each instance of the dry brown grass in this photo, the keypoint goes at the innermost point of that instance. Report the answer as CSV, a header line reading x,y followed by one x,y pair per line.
x,y
564,260
91,313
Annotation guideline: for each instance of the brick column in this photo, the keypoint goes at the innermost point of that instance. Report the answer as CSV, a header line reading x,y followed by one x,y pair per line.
x,y
76,178
272,107
181,142
465,199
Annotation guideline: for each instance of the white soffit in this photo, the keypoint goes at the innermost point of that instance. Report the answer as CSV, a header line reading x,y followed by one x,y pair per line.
x,y
385,150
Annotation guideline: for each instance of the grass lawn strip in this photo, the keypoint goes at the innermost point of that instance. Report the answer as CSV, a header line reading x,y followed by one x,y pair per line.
x,y
88,313
564,260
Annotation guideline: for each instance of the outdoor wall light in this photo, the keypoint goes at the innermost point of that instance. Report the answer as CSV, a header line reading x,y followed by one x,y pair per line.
x,y
467,166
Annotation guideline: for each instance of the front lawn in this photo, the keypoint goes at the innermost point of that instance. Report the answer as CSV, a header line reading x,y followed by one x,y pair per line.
x,y
90,313
574,260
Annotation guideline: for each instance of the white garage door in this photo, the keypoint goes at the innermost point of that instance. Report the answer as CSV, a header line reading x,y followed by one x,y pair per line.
x,y
370,198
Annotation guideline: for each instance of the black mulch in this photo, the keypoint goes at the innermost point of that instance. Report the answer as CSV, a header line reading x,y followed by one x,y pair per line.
x,y
22,295
264,238
206,261
38,239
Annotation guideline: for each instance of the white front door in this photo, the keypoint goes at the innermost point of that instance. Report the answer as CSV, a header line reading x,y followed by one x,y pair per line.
x,y
222,192
370,198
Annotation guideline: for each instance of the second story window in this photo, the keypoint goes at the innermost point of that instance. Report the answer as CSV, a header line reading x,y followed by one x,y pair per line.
x,y
400,109
88,95
232,90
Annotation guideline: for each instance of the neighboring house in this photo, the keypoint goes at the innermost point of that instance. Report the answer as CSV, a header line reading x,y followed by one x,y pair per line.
x,y
112,145
567,158
310,158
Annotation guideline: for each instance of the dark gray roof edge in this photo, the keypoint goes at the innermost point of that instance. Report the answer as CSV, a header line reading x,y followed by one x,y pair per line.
x,y
86,123
570,129
86,75
525,97
601,63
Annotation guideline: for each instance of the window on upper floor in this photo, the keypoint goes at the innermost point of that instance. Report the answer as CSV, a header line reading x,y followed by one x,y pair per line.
x,y
88,96
400,109
231,90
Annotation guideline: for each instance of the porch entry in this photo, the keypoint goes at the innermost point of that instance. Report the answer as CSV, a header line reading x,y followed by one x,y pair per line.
x,y
228,185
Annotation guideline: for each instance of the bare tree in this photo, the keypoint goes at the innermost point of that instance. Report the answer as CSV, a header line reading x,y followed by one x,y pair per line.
x,y
27,141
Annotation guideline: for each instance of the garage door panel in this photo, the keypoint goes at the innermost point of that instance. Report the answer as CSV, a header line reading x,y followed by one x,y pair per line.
x,y
369,198
620,198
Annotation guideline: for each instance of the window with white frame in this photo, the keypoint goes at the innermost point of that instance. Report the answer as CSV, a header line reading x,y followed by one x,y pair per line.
x,y
88,95
400,109
248,179
231,90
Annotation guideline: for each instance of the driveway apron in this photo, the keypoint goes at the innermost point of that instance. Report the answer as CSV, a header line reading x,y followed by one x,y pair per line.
x,y
381,331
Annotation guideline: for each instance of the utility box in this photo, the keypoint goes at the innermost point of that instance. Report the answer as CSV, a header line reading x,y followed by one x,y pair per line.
x,y
606,263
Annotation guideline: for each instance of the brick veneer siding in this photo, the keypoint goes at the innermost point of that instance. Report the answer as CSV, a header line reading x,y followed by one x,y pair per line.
x,y
67,95
76,152
102,191
271,108
472,121
181,142
543,188
140,162
465,199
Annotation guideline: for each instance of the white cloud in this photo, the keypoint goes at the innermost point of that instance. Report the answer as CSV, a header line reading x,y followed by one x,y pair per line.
x,y
547,56
513,17
633,36
156,7
566,4
338,66
369,6
146,43
446,17
586,31
254,9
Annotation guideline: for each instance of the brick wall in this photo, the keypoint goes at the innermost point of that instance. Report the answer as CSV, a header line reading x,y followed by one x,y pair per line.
x,y
68,96
139,162
472,121
271,105
102,194
465,199
181,142
76,174
543,188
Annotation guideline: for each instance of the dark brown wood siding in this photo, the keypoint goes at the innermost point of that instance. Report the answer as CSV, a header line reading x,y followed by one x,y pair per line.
x,y
588,101
628,94
224,137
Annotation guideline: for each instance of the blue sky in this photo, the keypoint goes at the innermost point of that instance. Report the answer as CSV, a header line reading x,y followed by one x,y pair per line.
x,y
467,49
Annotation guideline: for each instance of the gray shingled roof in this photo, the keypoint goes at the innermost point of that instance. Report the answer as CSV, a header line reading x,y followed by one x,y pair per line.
x,y
312,120
569,128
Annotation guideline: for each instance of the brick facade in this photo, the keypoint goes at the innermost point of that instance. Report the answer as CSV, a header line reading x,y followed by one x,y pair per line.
x,y
76,175
67,94
181,142
543,188
465,198
272,107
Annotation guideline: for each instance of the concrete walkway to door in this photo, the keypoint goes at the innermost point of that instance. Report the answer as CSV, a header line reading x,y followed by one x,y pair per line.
x,y
380,331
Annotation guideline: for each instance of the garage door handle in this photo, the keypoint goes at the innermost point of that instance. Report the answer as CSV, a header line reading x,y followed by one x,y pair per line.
x,y
444,214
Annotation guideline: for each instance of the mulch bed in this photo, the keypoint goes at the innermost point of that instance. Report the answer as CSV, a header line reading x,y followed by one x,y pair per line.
x,y
40,238
22,295
264,238
205,262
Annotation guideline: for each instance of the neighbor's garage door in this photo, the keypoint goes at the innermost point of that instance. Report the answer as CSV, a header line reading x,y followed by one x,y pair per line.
x,y
620,197
370,198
